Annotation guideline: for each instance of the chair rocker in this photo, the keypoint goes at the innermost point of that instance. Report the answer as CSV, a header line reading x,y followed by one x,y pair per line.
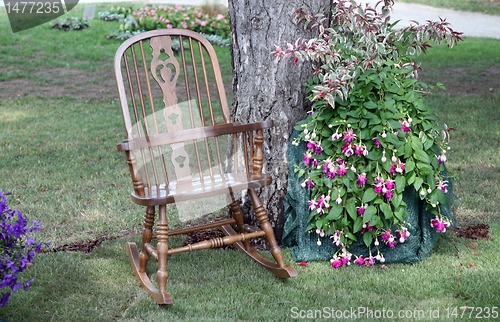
x,y
181,145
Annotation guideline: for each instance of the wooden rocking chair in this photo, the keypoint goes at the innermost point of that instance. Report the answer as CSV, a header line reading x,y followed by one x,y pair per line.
x,y
179,137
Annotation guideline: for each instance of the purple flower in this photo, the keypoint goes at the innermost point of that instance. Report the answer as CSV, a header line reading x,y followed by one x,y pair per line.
x,y
361,180
307,158
17,248
405,126
337,263
347,149
342,170
389,184
360,260
440,224
376,142
349,136
442,185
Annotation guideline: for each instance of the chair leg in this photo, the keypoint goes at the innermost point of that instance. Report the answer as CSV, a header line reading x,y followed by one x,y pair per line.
x,y
162,249
238,217
147,235
278,268
265,225
140,260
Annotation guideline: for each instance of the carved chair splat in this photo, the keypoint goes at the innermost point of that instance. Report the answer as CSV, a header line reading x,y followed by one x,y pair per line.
x,y
180,145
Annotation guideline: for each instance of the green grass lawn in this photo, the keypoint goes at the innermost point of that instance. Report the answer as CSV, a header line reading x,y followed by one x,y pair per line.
x,y
60,122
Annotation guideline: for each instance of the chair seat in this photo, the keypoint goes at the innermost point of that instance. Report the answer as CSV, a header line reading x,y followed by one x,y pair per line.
x,y
198,188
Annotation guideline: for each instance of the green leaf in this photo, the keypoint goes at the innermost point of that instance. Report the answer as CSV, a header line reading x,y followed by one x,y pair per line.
x,y
386,210
411,178
408,150
420,155
370,211
368,195
370,105
397,199
418,183
351,236
409,166
424,169
351,208
335,212
368,238
400,183
416,144
358,224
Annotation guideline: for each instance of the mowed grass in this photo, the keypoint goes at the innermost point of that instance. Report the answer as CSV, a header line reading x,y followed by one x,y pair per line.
x,y
58,157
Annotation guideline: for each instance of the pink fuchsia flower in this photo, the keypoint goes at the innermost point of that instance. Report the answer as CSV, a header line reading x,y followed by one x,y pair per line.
x,y
340,260
308,183
348,149
370,261
342,170
312,204
336,136
378,185
329,169
336,238
440,224
307,158
360,260
361,210
322,204
376,142
349,136
361,180
405,126
337,263
360,150
318,149
366,227
380,257
320,232
402,235
389,184
388,239
442,185
314,163
397,167
441,158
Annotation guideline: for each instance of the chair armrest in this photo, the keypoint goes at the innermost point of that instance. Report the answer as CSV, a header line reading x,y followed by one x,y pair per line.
x,y
191,134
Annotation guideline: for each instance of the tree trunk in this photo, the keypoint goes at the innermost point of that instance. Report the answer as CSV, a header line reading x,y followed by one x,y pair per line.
x,y
266,89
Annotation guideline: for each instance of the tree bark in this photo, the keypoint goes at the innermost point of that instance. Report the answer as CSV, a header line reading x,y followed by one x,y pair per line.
x,y
268,89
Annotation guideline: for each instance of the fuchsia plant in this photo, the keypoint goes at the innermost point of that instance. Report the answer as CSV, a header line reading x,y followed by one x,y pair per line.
x,y
370,134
